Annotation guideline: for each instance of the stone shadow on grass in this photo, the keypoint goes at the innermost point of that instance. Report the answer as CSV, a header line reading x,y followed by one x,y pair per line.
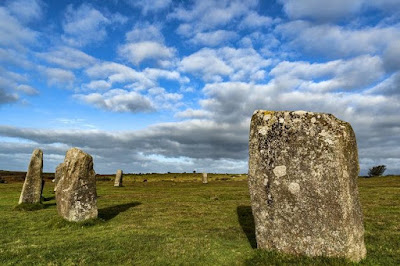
x,y
246,221
110,212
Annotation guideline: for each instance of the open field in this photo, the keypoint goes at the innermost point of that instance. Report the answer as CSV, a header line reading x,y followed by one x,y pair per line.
x,y
173,219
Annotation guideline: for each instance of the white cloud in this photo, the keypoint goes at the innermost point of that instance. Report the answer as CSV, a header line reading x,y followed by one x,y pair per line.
x,y
98,85
67,57
26,10
207,64
151,6
391,56
85,24
118,73
215,64
56,76
334,75
334,41
118,100
27,89
208,15
145,32
147,50
254,20
213,38
13,34
321,10
193,113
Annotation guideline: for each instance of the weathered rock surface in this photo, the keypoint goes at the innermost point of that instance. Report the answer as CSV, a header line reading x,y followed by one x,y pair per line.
x,y
32,188
205,179
303,170
118,178
76,189
58,175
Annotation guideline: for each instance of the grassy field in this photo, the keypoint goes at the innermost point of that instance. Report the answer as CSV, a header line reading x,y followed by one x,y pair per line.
x,y
173,219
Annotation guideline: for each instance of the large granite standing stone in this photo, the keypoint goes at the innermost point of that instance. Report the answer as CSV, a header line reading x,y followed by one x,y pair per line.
x,y
303,170
118,179
33,185
76,189
58,175
205,179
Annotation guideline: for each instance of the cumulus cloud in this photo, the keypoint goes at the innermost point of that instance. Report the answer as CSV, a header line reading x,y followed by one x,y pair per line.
x,y
320,10
214,38
67,57
350,74
208,15
150,6
26,10
56,76
334,10
333,41
147,50
215,64
27,89
145,32
118,100
85,24
13,33
137,80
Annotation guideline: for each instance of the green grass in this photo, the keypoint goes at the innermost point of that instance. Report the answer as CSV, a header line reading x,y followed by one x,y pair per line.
x,y
172,222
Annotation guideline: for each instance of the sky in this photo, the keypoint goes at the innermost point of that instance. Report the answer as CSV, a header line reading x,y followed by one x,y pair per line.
x,y
158,86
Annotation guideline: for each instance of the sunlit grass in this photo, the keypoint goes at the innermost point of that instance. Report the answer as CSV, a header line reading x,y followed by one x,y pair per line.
x,y
176,221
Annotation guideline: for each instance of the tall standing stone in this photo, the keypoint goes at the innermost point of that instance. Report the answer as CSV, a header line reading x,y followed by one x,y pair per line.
x,y
118,178
303,170
58,175
76,189
205,179
32,188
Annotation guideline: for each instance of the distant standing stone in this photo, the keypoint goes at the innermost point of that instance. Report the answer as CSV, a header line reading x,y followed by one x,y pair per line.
x,y
118,178
76,189
205,179
303,170
32,188
58,175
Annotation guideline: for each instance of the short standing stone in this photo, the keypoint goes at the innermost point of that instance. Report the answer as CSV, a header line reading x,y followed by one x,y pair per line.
x,y
58,175
303,170
76,189
205,179
118,178
32,188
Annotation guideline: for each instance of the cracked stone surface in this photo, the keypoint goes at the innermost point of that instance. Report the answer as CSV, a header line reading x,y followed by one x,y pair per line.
x,y
76,194
303,170
32,188
118,178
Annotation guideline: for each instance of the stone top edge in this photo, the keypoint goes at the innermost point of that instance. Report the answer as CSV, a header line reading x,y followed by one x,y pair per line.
x,y
299,113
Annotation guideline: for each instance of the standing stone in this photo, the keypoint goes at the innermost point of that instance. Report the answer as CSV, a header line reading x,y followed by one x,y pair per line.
x,y
303,170
205,179
58,175
76,189
118,179
32,188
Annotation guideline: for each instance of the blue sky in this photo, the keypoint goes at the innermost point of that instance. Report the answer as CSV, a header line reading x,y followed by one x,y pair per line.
x,y
157,86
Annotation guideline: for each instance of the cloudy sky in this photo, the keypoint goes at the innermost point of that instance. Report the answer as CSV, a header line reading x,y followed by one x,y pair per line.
x,y
157,86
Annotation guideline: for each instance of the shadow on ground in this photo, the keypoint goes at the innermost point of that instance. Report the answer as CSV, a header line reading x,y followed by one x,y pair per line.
x,y
110,212
246,221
